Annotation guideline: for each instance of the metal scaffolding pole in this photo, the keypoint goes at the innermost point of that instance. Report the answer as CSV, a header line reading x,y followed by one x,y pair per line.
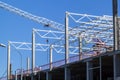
x,y
8,61
115,25
33,54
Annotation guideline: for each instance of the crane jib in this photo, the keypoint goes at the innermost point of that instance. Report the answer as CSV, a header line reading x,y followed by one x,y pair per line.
x,y
38,19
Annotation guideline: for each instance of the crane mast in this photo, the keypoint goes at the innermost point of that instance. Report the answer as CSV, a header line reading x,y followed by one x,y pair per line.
x,y
40,20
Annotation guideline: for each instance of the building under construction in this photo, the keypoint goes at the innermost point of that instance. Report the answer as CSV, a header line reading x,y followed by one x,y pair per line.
x,y
93,39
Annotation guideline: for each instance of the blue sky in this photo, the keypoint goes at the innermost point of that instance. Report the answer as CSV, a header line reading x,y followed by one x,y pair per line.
x,y
19,29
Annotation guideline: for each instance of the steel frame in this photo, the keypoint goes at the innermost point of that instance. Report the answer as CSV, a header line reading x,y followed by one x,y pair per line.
x,y
90,21
100,27
44,47
89,27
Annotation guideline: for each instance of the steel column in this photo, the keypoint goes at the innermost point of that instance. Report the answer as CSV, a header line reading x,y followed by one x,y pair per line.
x,y
51,47
16,75
48,76
39,77
8,61
115,25
116,62
28,63
33,54
80,47
66,45
100,63
87,70
66,39
21,68
114,66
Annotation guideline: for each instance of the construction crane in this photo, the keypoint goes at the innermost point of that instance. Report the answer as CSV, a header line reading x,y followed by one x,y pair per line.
x,y
99,26
95,23
94,20
41,20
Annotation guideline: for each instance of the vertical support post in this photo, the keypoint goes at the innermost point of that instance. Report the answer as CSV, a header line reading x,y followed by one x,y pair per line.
x,y
66,38
33,54
116,63
8,61
28,63
80,47
87,70
51,47
116,33
100,63
114,66
68,73
115,24
66,45
21,68
48,76
10,71
39,76
16,75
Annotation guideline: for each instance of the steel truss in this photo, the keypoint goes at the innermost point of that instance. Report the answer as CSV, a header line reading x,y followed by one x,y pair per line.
x,y
90,27
50,34
58,48
44,47
59,36
88,22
